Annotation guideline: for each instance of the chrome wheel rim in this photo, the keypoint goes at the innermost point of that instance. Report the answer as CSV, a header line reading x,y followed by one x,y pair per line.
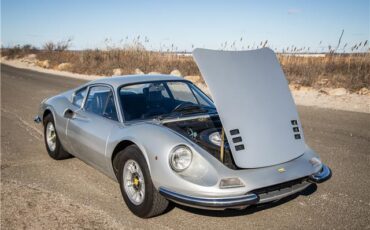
x,y
133,182
51,136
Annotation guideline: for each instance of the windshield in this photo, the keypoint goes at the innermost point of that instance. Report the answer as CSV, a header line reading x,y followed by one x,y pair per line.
x,y
160,99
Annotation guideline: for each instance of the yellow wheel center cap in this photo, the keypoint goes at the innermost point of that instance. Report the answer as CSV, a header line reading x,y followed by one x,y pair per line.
x,y
136,181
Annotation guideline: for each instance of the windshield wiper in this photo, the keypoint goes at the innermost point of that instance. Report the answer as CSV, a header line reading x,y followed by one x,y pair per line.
x,y
191,109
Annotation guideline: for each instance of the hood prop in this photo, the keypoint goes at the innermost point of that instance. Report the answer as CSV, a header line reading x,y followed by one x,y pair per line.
x,y
222,146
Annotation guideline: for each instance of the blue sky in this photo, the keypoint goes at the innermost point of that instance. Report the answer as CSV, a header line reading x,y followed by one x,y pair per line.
x,y
208,23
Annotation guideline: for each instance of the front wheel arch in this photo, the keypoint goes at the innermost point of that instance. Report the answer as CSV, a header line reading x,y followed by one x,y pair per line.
x,y
124,144
119,147
153,204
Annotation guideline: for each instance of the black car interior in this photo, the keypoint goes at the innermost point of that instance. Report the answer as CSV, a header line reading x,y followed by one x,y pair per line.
x,y
146,104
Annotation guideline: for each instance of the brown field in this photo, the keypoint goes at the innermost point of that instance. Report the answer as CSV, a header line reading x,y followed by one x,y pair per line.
x,y
350,71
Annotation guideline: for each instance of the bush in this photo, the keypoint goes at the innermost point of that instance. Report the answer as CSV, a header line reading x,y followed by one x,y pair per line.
x,y
59,46
350,71
18,51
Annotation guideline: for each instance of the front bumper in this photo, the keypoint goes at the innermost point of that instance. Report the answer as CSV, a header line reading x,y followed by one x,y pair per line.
x,y
211,203
258,196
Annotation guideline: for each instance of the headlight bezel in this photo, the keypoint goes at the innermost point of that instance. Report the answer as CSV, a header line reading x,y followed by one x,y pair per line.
x,y
175,152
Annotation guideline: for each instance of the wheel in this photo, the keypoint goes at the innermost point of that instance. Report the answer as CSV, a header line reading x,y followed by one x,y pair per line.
x,y
137,189
52,143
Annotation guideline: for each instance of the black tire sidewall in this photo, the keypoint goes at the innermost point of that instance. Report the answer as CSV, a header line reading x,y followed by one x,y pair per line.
x,y
52,154
133,152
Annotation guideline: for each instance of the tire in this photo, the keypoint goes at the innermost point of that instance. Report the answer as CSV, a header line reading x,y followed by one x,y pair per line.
x,y
56,152
152,203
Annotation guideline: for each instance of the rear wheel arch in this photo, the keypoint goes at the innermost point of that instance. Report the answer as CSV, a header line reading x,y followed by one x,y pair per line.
x,y
57,152
49,110
46,113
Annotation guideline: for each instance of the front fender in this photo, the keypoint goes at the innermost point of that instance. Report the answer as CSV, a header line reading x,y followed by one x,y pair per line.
x,y
156,143
205,172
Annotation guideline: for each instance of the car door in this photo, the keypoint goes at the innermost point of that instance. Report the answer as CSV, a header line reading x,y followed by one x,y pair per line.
x,y
89,127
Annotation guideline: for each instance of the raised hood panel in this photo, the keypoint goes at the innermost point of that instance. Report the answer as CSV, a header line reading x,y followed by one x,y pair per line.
x,y
254,102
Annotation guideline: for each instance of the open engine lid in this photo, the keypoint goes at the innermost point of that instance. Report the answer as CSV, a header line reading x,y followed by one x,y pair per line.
x,y
255,105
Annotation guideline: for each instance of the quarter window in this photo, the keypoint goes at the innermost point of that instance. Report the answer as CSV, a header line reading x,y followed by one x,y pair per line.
x,y
100,101
79,97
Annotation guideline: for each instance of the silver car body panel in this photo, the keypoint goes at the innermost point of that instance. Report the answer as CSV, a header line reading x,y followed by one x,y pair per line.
x,y
252,95
94,139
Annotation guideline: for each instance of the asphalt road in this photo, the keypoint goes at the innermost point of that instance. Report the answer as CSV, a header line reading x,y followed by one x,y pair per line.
x,y
38,192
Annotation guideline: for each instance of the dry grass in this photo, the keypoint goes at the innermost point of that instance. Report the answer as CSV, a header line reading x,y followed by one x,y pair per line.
x,y
103,62
350,71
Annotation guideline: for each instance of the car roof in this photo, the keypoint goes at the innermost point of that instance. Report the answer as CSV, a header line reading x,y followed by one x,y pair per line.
x,y
117,81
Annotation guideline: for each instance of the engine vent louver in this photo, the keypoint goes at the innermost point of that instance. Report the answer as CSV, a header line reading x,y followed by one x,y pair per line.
x,y
234,132
237,140
296,133
239,147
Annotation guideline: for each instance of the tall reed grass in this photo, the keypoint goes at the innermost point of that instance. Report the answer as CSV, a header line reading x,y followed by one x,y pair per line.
x,y
330,69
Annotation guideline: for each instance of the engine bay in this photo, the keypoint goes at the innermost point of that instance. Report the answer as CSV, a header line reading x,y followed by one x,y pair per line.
x,y
207,133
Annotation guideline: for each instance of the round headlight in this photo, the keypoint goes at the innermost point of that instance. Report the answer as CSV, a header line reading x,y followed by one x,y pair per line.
x,y
180,158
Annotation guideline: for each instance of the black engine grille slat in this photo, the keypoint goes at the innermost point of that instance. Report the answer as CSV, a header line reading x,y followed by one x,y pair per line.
x,y
279,186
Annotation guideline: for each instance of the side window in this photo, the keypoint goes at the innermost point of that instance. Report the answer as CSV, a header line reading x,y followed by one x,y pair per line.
x,y
101,102
79,97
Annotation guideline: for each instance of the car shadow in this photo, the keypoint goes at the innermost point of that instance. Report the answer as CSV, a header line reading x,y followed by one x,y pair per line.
x,y
247,211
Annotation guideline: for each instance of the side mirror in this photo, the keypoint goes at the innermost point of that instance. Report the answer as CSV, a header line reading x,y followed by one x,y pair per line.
x,y
69,114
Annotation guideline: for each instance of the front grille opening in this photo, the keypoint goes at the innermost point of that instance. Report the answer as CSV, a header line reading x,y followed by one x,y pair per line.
x,y
281,186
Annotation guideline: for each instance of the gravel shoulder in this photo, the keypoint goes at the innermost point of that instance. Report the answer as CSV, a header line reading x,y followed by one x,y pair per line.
x,y
42,209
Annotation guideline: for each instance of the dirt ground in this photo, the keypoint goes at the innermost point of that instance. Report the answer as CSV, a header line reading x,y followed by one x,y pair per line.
x,y
44,209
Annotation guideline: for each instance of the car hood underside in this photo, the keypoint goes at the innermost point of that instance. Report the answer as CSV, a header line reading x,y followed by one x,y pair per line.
x,y
254,104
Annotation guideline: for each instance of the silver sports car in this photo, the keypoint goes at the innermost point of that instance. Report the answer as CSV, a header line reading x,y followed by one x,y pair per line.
x,y
163,139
